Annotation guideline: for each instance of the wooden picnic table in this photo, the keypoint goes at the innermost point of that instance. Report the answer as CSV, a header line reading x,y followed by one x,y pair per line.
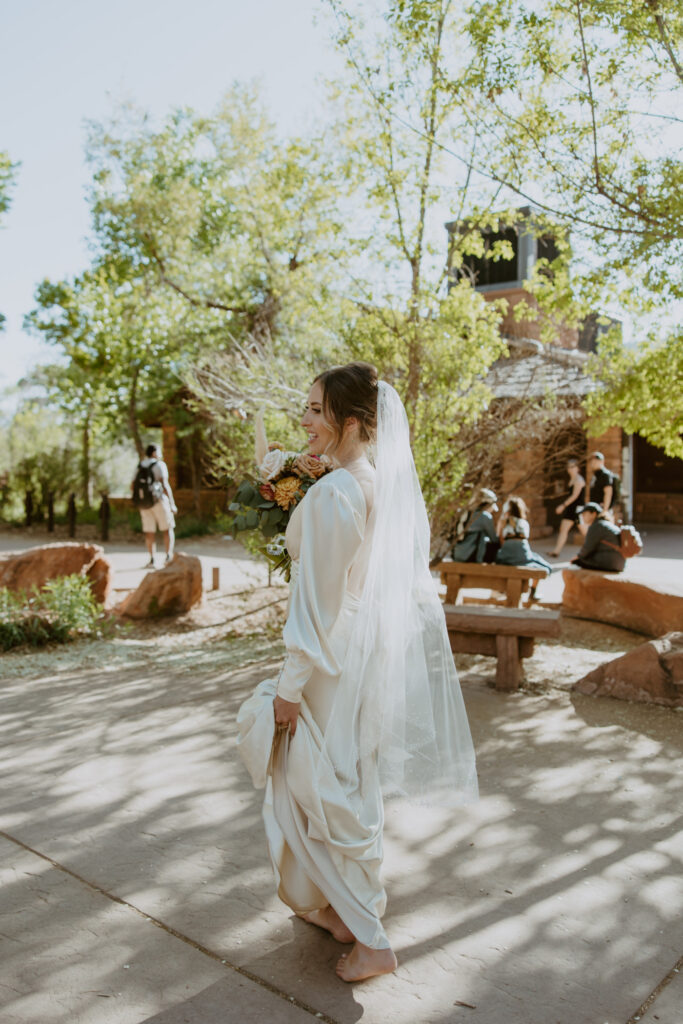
x,y
511,580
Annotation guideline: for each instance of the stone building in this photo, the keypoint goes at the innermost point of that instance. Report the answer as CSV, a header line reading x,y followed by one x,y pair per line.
x,y
651,482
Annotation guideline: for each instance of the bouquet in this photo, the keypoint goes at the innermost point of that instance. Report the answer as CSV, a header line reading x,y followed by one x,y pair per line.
x,y
267,502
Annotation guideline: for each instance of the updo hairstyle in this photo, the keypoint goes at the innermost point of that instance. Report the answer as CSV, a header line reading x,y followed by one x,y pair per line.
x,y
348,391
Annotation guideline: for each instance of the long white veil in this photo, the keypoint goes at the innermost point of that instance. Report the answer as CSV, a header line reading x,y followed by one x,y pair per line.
x,y
399,691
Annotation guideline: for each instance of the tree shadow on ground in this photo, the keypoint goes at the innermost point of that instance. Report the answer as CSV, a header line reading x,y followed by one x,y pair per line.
x,y
126,774
554,899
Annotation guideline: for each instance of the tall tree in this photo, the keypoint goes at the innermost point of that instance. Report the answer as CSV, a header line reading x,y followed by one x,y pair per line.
x,y
573,105
580,103
245,228
434,344
123,352
641,391
211,238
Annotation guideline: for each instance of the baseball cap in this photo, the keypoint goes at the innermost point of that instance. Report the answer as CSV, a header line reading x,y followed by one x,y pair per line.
x,y
592,506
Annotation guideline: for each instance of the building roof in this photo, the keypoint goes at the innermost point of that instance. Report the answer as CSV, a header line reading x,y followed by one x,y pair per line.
x,y
533,370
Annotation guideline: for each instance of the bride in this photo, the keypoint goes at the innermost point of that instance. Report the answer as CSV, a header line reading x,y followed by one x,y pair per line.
x,y
367,699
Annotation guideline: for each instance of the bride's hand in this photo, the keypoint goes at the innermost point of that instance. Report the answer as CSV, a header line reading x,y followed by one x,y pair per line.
x,y
286,713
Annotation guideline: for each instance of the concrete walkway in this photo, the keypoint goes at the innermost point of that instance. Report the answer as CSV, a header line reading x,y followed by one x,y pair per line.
x,y
136,887
661,563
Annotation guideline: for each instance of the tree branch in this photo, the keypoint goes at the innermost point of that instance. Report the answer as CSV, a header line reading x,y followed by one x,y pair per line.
x,y
587,72
664,36
198,303
554,211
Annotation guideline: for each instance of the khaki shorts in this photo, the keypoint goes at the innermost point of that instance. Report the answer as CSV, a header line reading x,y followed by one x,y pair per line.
x,y
158,517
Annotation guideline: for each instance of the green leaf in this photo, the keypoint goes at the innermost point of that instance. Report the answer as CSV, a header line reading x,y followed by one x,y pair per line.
x,y
247,493
273,516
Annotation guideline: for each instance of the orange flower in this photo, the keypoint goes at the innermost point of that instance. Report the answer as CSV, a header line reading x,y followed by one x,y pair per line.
x,y
286,492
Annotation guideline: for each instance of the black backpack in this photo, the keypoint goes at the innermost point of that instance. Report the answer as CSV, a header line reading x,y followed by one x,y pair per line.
x,y
616,488
147,490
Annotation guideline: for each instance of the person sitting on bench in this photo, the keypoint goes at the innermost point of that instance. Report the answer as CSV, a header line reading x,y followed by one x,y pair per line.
x,y
476,537
602,545
513,530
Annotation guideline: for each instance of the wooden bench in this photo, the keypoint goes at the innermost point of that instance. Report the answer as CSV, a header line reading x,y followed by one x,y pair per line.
x,y
507,634
511,580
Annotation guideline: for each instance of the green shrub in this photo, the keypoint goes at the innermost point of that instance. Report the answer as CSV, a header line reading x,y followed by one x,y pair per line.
x,y
222,522
192,526
63,609
129,517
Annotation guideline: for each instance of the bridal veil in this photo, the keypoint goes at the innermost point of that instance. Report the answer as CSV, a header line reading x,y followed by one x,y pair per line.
x,y
398,698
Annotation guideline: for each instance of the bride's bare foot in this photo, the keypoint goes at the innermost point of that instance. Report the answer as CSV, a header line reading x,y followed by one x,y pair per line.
x,y
329,919
363,962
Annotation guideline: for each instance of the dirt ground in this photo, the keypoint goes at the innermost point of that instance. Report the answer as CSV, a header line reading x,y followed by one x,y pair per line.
x,y
236,628
245,626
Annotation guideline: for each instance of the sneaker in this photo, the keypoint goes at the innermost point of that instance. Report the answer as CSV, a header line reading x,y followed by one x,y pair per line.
x,y
169,558
150,564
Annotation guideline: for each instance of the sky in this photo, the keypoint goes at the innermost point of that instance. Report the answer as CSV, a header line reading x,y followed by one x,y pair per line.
x,y
77,60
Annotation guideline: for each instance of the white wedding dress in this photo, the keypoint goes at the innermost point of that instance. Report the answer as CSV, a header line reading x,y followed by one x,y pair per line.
x,y
324,832
369,659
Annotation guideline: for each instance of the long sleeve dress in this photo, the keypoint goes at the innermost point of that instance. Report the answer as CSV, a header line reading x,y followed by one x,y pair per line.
x,y
325,832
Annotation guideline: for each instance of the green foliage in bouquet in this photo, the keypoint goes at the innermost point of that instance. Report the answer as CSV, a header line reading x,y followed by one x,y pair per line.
x,y
254,512
267,505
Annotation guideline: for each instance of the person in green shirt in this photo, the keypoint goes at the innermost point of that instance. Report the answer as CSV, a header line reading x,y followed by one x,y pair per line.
x,y
476,537
602,544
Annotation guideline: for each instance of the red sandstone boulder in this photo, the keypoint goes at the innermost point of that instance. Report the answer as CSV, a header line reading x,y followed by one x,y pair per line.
x,y
651,673
170,591
613,598
35,566
100,577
